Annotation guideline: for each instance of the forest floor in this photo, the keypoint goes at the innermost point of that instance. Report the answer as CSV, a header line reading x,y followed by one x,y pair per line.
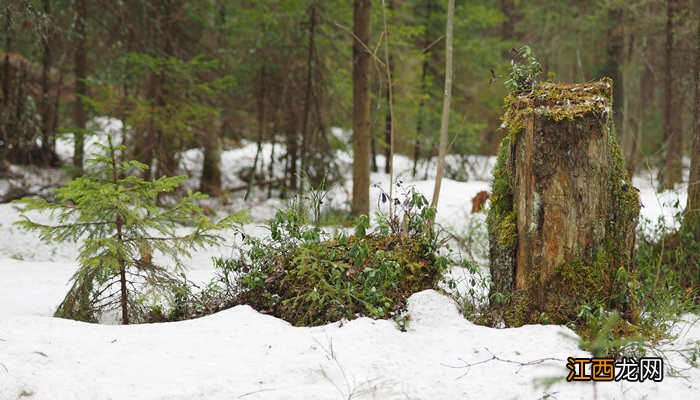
x,y
242,354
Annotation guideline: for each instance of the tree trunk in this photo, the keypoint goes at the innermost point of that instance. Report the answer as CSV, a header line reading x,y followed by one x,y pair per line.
x,y
563,214
442,150
630,107
615,50
79,112
308,91
373,146
5,110
388,117
119,223
46,64
420,122
692,209
673,106
262,119
420,118
361,100
210,181
508,25
387,134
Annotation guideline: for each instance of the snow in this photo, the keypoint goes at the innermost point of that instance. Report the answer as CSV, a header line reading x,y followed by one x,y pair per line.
x,y
240,353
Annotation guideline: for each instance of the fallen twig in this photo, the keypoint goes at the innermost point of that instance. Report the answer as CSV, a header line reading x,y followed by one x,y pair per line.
x,y
496,358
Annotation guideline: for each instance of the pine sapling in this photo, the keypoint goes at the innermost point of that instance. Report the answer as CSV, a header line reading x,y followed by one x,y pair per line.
x,y
114,211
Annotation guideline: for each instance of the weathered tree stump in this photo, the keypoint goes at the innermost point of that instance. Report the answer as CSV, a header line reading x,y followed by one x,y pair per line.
x,y
563,211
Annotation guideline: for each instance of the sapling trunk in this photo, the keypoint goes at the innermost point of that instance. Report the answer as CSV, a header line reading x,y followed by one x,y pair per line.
x,y
124,298
445,119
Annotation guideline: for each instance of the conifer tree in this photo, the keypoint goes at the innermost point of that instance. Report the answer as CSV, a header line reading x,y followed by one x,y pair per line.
x,y
114,211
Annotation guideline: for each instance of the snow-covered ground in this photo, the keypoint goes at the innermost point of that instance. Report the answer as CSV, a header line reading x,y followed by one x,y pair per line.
x,y
242,354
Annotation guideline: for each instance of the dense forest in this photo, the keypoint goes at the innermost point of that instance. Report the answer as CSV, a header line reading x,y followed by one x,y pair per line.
x,y
184,74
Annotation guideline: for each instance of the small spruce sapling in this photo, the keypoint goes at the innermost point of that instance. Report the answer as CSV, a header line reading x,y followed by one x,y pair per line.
x,y
114,211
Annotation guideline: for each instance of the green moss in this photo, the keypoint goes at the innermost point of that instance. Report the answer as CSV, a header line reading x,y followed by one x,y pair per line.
x,y
501,217
558,101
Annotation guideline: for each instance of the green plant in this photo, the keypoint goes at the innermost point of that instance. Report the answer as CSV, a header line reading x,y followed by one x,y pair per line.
x,y
113,210
524,70
302,274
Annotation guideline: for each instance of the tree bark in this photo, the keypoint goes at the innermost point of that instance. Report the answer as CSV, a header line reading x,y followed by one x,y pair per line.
x,y
388,117
210,181
262,119
388,128
563,214
79,112
420,120
361,112
46,64
615,50
308,93
420,117
673,106
692,209
5,110
447,95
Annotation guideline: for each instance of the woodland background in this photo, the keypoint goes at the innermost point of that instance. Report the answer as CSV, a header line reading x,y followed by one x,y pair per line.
x,y
211,73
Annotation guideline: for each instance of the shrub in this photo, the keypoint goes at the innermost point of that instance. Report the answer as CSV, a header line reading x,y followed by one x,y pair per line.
x,y
305,276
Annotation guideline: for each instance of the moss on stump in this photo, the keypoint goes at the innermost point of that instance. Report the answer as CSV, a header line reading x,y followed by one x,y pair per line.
x,y
563,210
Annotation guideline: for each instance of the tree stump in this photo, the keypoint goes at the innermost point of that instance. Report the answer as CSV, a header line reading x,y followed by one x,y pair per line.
x,y
563,210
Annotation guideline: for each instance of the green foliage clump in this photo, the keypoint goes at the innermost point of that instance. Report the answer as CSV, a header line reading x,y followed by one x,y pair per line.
x,y
307,278
524,70
115,213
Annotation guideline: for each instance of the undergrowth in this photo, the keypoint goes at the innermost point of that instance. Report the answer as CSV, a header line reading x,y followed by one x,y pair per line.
x,y
307,276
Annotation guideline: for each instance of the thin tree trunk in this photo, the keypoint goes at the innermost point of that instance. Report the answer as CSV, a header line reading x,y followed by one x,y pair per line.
x,y
388,129
210,182
261,133
46,64
630,119
444,122
124,298
388,116
388,163
692,209
673,165
119,222
308,90
373,145
79,112
273,140
276,126
5,111
423,95
615,49
361,112
292,148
